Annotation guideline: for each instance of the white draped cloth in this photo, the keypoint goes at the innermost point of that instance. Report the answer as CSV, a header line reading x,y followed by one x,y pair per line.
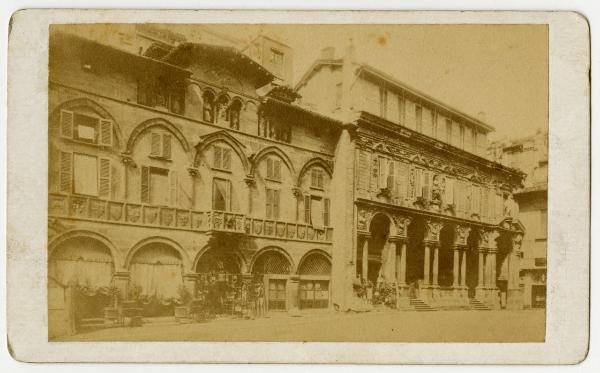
x,y
157,279
81,272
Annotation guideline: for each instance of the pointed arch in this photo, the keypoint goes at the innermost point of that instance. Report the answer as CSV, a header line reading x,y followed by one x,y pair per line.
x,y
156,122
312,162
224,136
279,153
185,259
72,105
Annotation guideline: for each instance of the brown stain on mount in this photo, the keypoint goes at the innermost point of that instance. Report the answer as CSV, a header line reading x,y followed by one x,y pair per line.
x,y
382,40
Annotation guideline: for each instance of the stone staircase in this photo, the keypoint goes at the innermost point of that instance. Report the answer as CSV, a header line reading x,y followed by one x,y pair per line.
x,y
477,305
419,305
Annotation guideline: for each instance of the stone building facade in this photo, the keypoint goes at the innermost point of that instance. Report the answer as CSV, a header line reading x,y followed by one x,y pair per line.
x,y
429,212
170,159
530,154
166,165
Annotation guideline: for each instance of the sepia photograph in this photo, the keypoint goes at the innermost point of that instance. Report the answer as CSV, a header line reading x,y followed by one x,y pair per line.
x,y
297,183
298,187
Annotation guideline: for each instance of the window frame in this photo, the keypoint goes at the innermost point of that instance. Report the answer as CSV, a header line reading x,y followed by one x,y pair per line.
x,y
320,176
222,151
228,196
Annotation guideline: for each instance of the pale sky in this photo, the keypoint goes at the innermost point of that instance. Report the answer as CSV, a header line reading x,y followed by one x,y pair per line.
x,y
496,73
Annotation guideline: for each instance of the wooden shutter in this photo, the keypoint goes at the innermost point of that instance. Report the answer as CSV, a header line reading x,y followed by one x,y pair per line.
x,y
277,169
66,124
173,187
418,182
426,185
270,168
145,184
326,211
382,173
216,157
226,158
276,204
269,203
166,145
307,209
104,178
66,172
363,171
155,144
106,132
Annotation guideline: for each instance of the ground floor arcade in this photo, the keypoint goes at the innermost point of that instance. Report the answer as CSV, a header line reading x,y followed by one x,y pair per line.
x,y
445,263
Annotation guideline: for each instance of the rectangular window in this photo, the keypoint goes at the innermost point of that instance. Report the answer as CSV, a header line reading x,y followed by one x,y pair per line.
x,y
221,158
426,193
159,186
316,212
316,178
86,128
85,174
418,182
326,206
307,209
160,145
382,102
221,194
276,57
273,204
419,118
274,169
168,95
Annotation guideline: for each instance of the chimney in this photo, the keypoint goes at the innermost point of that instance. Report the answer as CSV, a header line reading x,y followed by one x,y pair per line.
x,y
328,53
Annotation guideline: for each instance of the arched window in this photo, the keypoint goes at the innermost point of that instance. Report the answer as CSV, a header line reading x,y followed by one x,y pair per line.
x,y
234,114
208,108
222,109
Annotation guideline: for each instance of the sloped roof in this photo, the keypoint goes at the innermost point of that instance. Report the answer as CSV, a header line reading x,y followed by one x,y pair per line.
x,y
185,53
373,72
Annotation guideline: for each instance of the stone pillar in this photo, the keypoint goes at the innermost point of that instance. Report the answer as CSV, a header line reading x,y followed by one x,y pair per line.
x,y
120,280
365,258
426,265
493,276
129,163
189,281
463,269
401,252
514,296
390,272
436,249
480,278
292,294
455,267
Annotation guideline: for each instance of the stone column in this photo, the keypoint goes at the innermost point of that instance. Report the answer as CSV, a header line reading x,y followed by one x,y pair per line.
x,y
129,163
514,297
436,249
365,257
480,278
456,267
390,271
426,265
401,252
120,280
292,294
463,274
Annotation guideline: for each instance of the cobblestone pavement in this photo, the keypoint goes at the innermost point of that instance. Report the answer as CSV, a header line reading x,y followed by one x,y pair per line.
x,y
376,326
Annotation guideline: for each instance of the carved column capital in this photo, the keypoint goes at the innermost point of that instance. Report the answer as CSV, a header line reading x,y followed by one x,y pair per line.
x,y
461,235
487,238
432,230
402,222
249,180
127,160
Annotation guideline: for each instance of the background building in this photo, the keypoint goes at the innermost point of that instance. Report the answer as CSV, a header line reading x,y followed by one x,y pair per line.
x,y
530,154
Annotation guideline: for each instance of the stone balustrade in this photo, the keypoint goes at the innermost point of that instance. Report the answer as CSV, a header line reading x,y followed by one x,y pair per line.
x,y
91,208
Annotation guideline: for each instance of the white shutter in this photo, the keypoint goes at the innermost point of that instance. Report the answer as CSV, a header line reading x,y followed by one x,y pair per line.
x,y
66,124
145,184
173,188
104,178
106,132
66,172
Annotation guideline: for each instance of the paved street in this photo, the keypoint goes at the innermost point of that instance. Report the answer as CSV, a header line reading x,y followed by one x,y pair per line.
x,y
376,326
